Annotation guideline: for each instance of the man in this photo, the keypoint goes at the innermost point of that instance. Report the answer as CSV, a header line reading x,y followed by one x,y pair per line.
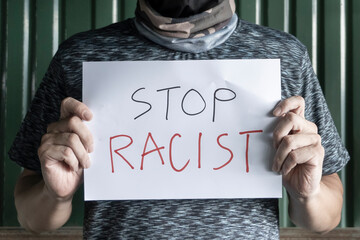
x,y
53,143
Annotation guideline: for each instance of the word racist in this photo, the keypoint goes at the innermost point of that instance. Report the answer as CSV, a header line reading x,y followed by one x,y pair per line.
x,y
157,150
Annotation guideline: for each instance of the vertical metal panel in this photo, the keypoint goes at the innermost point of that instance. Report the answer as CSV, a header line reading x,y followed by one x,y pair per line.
x,y
128,9
115,11
343,91
258,11
45,42
276,14
286,16
103,11
56,25
332,59
3,66
283,210
14,101
354,111
355,133
303,23
333,72
247,10
77,16
30,32
314,32
26,53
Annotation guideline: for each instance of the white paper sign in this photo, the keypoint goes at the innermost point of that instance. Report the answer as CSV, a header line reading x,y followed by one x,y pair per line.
x,y
182,129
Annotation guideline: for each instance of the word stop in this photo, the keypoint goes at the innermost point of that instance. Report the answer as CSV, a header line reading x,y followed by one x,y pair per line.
x,y
219,95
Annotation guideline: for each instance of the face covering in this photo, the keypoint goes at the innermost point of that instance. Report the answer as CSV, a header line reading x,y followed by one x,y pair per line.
x,y
182,8
206,17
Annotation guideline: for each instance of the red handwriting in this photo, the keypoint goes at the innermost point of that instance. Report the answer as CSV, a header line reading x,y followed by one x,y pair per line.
x,y
247,145
199,150
117,151
231,153
171,143
148,152
170,155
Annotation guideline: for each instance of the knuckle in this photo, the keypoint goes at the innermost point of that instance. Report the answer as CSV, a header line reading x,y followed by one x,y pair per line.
x,y
316,139
40,152
276,133
293,156
74,122
67,152
45,137
281,103
286,166
43,153
317,162
276,139
290,116
314,127
288,141
301,100
72,138
65,101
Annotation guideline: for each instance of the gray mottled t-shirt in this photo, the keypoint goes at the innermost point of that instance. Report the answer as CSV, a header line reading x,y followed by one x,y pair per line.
x,y
177,219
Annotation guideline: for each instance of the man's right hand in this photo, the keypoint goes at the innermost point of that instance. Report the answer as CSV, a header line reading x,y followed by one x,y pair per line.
x,y
64,149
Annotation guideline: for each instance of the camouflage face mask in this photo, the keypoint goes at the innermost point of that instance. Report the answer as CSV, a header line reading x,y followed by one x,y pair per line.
x,y
194,26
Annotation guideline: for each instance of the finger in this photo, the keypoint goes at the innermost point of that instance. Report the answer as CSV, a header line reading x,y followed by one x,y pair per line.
x,y
295,104
292,123
73,107
52,154
73,125
291,143
311,155
72,141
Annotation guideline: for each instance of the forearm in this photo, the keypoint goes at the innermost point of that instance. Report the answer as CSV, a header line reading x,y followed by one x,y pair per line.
x,y
322,211
38,211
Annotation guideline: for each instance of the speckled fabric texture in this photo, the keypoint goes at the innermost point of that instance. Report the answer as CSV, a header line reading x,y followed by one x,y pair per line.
x,y
177,219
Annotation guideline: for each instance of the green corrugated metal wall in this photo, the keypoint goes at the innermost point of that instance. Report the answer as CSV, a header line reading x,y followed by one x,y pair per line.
x,y
30,31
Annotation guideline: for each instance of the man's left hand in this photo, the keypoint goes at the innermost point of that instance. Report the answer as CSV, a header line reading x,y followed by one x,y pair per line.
x,y
299,153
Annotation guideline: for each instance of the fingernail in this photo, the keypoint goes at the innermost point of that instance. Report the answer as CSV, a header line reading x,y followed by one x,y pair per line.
x,y
91,148
87,115
85,165
277,111
88,164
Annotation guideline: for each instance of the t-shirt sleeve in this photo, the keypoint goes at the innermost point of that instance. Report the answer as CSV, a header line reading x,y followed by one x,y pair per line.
x,y
317,111
44,109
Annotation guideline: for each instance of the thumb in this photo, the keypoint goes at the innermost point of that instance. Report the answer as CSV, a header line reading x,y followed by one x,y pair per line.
x,y
295,104
73,107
